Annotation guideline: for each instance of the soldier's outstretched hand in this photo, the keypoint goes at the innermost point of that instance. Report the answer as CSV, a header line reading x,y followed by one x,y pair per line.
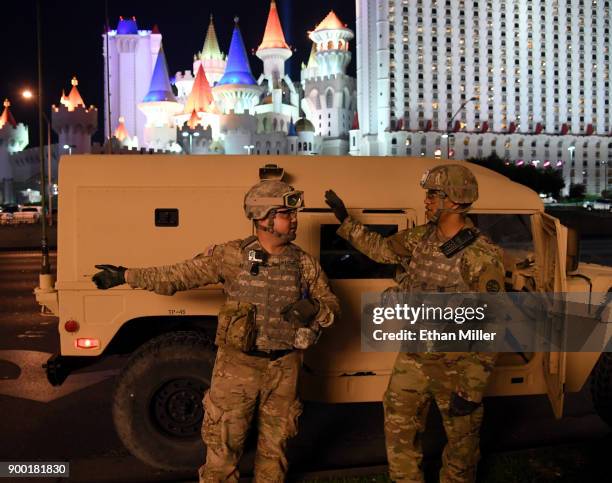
x,y
336,204
110,276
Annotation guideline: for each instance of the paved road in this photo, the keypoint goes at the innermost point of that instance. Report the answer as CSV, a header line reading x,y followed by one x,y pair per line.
x,y
73,422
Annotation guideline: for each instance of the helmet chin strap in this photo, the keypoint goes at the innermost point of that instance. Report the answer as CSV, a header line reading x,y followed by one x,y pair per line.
x,y
284,237
438,213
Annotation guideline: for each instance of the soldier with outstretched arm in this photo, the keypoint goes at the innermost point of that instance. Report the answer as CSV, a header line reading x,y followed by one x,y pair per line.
x,y
278,299
447,254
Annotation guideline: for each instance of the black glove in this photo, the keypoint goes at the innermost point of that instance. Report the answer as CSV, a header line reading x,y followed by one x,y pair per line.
x,y
302,312
336,204
110,276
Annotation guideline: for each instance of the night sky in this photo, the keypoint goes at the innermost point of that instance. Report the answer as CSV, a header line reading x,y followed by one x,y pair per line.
x,y
72,40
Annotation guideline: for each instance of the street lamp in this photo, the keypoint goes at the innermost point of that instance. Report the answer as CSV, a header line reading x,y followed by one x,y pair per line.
x,y
68,147
605,165
450,124
571,150
45,278
249,148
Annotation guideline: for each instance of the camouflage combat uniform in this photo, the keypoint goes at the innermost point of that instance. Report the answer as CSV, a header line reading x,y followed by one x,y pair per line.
x,y
456,381
264,379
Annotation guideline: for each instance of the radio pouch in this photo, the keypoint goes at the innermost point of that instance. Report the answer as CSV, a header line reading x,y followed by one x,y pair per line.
x,y
236,326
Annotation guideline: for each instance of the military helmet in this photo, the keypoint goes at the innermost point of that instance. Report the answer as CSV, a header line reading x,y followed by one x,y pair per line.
x,y
456,181
268,195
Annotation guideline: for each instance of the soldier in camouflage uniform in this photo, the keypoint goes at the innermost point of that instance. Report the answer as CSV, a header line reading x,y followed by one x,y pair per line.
x,y
278,299
426,263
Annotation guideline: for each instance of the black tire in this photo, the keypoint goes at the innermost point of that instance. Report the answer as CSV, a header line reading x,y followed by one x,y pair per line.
x,y
157,404
601,387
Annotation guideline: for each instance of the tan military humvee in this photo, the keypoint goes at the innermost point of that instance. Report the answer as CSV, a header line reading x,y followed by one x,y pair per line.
x,y
154,210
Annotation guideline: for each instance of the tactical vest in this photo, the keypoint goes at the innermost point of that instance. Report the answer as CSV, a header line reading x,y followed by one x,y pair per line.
x,y
278,283
430,270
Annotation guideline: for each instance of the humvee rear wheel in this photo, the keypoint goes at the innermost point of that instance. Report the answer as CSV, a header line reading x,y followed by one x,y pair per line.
x,y
157,404
601,387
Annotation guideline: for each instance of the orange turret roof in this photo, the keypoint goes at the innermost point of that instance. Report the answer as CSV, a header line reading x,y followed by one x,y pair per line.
x,y
74,99
121,132
274,38
193,120
200,99
7,116
331,22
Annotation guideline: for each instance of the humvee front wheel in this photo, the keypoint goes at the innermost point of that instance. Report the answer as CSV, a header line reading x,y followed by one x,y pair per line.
x,y
157,404
601,387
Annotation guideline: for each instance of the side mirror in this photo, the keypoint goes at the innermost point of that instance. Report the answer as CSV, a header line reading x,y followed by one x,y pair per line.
x,y
572,257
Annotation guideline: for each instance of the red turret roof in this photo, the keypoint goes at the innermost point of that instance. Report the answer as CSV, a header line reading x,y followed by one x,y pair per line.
x,y
331,22
7,116
193,120
74,99
274,38
200,99
121,132
355,121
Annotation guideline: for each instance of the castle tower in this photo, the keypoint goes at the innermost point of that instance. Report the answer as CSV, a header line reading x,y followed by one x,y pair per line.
x,y
329,94
331,38
13,138
237,90
131,57
273,50
160,106
310,69
73,122
282,101
210,57
123,135
200,101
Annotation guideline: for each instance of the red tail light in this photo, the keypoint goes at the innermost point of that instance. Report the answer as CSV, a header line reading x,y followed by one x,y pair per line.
x,y
87,343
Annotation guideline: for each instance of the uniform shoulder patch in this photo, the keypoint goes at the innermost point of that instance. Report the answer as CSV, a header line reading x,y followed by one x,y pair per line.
x,y
491,280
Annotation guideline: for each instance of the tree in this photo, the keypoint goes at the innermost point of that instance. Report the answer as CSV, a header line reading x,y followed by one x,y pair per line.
x,y
577,191
547,180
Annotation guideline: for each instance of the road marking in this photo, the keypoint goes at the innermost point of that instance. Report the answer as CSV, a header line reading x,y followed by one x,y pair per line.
x,y
32,383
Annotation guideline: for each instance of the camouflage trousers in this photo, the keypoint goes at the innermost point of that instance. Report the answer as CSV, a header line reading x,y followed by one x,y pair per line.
x,y
242,386
456,382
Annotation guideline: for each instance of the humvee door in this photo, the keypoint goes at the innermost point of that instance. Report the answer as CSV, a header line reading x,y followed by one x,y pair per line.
x,y
550,240
338,354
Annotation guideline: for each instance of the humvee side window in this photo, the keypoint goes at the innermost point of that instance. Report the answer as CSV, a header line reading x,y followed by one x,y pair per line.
x,y
509,231
340,260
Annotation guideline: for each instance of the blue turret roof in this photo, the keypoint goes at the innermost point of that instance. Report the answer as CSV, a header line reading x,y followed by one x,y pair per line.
x,y
127,26
291,129
160,89
237,69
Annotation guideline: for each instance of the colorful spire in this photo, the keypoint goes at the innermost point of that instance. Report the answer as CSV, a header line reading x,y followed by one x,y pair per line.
x,y
121,132
291,129
200,99
127,27
74,99
273,35
160,89
7,116
237,70
211,50
331,22
193,120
